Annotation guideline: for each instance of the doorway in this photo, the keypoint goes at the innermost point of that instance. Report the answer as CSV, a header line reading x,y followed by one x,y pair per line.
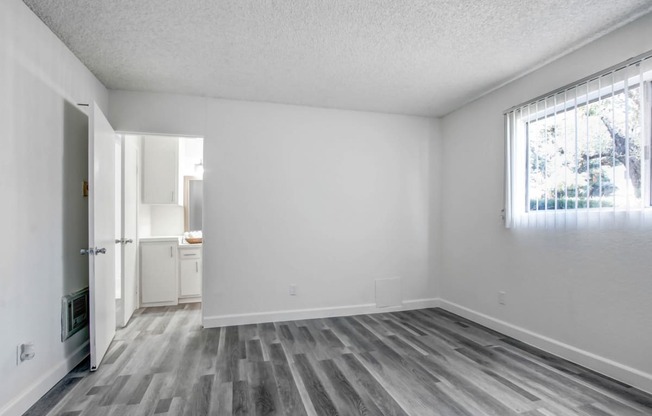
x,y
161,206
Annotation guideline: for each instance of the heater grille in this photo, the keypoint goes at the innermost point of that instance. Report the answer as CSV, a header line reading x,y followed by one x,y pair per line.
x,y
74,313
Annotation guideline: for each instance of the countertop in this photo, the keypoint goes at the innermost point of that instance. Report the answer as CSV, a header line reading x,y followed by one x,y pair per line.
x,y
161,238
178,238
184,244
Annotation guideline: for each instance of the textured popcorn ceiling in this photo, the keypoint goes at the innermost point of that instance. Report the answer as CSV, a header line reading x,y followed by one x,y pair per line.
x,y
398,56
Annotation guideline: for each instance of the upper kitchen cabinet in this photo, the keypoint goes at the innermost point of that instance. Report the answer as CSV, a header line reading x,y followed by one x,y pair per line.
x,y
161,170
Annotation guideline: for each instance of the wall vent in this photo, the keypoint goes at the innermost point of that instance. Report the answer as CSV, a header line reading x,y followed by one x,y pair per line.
x,y
74,313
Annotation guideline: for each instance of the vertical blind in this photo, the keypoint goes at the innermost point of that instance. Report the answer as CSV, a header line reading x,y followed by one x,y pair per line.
x,y
581,154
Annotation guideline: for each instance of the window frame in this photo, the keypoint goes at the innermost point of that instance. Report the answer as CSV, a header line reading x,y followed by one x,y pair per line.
x,y
561,100
581,102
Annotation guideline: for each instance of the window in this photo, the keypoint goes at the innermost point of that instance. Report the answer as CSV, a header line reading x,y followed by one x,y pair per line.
x,y
582,153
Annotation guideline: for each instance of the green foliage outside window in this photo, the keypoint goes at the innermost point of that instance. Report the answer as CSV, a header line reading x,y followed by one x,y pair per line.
x,y
586,156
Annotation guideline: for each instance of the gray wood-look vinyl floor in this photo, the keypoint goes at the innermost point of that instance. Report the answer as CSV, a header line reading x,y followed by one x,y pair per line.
x,y
425,362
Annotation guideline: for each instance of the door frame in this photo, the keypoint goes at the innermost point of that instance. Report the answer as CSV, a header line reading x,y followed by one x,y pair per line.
x,y
123,134
119,217
123,320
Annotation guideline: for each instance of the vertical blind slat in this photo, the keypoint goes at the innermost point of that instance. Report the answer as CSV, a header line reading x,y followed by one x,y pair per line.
x,y
626,133
577,152
601,190
613,135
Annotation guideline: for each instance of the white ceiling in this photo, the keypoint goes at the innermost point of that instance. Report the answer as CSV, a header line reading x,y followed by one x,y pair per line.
x,y
422,57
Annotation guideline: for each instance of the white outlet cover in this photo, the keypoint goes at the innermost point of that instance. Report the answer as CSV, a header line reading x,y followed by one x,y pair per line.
x,y
389,292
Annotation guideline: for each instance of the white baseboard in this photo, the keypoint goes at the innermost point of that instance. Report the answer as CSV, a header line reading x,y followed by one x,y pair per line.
x,y
313,313
31,395
618,371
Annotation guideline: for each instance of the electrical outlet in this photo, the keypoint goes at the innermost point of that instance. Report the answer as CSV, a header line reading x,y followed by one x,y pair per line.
x,y
24,352
502,297
293,290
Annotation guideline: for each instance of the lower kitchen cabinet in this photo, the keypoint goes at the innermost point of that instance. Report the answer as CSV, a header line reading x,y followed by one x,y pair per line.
x,y
158,273
190,272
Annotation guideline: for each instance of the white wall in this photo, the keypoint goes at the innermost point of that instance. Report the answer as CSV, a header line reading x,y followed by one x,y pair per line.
x,y
328,200
43,156
588,292
166,220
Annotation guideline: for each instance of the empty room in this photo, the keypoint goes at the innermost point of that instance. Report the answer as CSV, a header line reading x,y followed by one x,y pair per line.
x,y
314,208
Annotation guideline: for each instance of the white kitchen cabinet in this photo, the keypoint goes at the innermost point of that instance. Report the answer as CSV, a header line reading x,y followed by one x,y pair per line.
x,y
158,272
190,271
160,170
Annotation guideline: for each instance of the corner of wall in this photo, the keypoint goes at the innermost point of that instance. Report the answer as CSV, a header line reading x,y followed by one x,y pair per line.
x,y
435,220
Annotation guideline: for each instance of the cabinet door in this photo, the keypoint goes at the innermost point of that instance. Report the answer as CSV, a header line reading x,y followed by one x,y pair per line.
x,y
160,170
158,272
190,277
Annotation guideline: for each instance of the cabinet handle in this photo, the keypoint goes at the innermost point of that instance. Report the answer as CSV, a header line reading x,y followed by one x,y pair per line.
x,y
197,266
172,199
171,251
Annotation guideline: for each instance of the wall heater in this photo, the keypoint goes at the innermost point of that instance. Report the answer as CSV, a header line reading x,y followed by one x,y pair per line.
x,y
74,313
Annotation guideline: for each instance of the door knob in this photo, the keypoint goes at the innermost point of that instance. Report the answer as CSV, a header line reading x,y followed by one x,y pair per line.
x,y
100,250
85,251
127,241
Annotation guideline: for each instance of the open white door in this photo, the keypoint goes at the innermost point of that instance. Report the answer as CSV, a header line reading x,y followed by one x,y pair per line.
x,y
102,246
129,227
